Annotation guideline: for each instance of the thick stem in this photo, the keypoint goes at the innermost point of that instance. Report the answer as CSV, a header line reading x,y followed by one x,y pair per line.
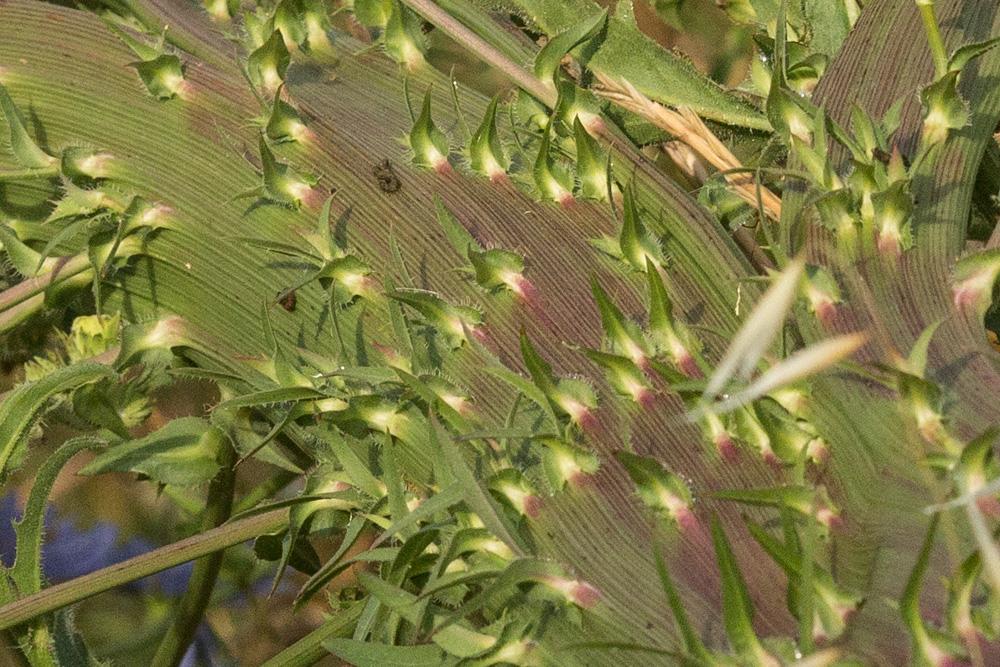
x,y
29,287
447,24
28,174
164,558
934,39
218,507
13,316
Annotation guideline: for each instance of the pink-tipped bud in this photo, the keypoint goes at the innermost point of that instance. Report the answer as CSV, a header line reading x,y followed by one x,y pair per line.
x,y
826,311
771,459
686,520
829,518
566,200
889,245
817,451
687,365
645,398
989,505
578,592
442,166
727,447
532,505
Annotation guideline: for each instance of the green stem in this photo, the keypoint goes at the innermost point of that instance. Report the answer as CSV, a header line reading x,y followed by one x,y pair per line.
x,y
934,39
486,52
11,317
309,649
28,174
164,558
218,507
31,286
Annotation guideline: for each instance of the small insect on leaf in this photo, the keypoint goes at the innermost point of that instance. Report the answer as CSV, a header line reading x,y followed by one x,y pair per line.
x,y
385,177
287,300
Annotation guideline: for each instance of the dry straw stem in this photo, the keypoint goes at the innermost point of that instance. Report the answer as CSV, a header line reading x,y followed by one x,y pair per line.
x,y
687,127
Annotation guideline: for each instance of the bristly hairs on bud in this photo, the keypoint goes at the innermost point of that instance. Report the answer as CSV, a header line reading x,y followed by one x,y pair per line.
x,y
486,154
552,179
429,145
267,65
403,39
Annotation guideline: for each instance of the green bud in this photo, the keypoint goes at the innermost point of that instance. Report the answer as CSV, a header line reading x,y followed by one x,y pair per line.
x,y
285,124
500,269
553,181
822,293
288,21
486,154
404,41
893,208
267,65
638,245
348,276
624,377
429,145
282,185
660,489
512,487
591,164
451,322
83,163
944,109
565,463
621,334
973,281
163,77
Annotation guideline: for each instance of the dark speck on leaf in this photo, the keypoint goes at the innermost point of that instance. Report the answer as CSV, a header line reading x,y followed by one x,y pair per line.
x,y
386,177
287,300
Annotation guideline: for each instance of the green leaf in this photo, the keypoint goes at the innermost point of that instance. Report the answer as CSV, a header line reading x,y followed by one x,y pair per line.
x,y
476,496
26,151
548,60
692,642
457,234
737,610
185,452
969,52
26,573
21,407
627,53
272,397
367,654
335,565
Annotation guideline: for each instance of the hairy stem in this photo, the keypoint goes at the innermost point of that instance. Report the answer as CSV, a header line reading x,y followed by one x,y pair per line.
x,y
28,174
218,507
13,316
30,287
447,24
934,39
164,558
